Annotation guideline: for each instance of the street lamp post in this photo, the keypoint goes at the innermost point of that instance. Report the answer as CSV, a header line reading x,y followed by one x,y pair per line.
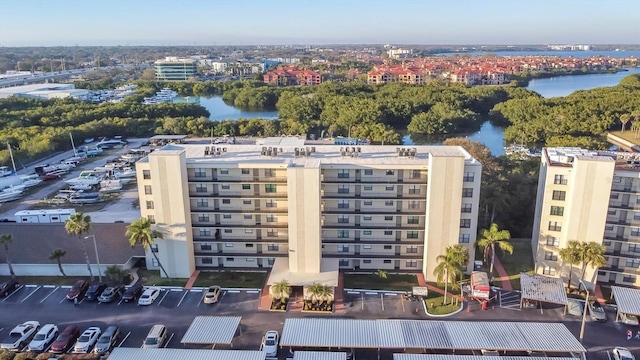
x,y
95,246
584,312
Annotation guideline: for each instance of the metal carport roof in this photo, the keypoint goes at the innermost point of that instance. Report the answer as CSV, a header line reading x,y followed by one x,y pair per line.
x,y
542,288
420,334
319,355
184,354
211,330
627,299
469,357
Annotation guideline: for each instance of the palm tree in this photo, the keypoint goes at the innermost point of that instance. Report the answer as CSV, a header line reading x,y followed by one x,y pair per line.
x,y
571,255
325,292
139,232
7,239
492,237
449,266
281,289
78,224
592,254
314,290
382,274
57,255
624,119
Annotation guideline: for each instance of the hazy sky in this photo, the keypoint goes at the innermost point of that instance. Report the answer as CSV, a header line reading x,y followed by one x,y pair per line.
x,y
223,22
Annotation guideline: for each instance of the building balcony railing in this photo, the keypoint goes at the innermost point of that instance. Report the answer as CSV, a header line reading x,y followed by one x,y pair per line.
x,y
337,226
391,256
618,222
371,211
624,206
621,270
214,225
237,195
215,253
369,241
634,239
329,195
622,254
273,210
222,240
372,180
625,189
238,180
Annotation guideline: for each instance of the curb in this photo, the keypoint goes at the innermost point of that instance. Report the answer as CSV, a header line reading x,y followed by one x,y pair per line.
x,y
445,315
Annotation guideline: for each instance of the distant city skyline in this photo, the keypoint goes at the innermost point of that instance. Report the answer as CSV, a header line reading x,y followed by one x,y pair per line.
x,y
281,22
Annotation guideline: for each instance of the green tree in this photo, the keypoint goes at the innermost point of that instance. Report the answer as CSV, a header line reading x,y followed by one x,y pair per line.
x,y
79,224
492,237
281,289
6,240
592,254
140,232
116,275
57,255
571,256
624,120
449,266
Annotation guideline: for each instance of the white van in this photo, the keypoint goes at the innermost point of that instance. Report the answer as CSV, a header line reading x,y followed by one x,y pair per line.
x,y
156,337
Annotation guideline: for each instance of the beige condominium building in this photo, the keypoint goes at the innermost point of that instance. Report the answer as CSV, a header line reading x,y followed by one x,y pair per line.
x,y
308,211
589,196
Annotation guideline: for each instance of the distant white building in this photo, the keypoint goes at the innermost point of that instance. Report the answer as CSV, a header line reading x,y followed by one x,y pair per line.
x,y
45,91
399,53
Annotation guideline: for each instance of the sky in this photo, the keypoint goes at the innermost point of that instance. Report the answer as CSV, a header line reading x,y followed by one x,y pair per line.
x,y
284,22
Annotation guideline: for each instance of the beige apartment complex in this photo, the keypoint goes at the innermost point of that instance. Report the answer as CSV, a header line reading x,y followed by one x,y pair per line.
x,y
589,196
305,211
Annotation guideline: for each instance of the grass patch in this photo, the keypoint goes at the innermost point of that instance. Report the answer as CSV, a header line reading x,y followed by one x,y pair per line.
x,y
397,282
232,279
627,135
152,278
436,300
45,280
520,261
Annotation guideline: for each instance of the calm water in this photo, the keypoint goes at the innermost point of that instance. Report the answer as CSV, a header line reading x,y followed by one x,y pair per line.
x,y
565,85
575,54
221,111
491,136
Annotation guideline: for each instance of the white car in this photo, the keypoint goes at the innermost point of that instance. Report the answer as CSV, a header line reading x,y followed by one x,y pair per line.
x,y
212,295
620,353
20,336
44,338
87,340
149,296
629,319
270,343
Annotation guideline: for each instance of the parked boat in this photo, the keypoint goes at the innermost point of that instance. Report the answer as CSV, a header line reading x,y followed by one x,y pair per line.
x,y
110,186
85,198
79,187
10,195
124,173
88,177
5,171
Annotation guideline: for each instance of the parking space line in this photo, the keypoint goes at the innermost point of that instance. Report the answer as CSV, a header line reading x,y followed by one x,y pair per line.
x,y
183,296
33,292
49,286
30,286
120,302
14,291
168,341
353,292
253,291
233,291
362,301
382,301
63,299
204,293
402,302
164,296
125,338
371,293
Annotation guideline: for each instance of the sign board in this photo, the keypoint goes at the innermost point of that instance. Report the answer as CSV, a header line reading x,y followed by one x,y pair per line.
x,y
420,291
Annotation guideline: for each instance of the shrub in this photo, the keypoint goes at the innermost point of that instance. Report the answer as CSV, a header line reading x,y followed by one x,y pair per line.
x,y
27,355
7,355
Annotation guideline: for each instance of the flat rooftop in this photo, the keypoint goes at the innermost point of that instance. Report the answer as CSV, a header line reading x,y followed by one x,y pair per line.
x,y
565,156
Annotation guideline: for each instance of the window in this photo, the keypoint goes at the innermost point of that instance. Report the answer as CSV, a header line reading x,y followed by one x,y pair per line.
x,y
464,238
248,216
368,187
343,204
388,203
411,263
149,204
366,232
270,188
343,219
388,232
634,248
272,218
147,189
272,233
154,248
146,174
366,261
205,232
271,203
388,247
415,174
343,248
224,171
207,260
152,219
367,202
414,189
553,241
548,270
636,216
388,187
413,204
558,195
270,261
468,177
343,234
225,186
617,179
343,174
610,227
557,210
248,231
615,196
201,188
343,262
202,203
273,247
367,247
466,208
606,243
368,172
388,218
200,172
205,247
467,192
412,249
226,201
246,202
559,180
269,172
248,245
549,255
367,218
343,189
245,171
386,261
634,231
229,259
246,187
154,262
611,212
633,263
413,219
228,231
465,223
629,279
390,172
203,217
412,234
226,216
555,226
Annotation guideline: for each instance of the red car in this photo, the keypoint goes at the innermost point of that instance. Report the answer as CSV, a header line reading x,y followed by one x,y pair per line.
x,y
78,290
65,340
50,176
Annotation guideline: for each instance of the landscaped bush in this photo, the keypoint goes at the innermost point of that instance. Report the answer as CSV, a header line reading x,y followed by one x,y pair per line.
x,y
6,355
27,355
312,305
45,356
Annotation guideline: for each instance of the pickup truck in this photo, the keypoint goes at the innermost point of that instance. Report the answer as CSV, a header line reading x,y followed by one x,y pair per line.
x,y
20,336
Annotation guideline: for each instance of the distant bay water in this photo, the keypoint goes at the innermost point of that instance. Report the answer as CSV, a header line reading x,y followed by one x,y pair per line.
x,y
575,54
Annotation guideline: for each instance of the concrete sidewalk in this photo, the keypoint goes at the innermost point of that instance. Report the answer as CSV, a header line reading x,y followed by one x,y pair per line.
x,y
503,276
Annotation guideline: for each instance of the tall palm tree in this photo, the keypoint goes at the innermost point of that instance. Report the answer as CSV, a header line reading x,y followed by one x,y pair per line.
x,y
592,254
6,240
624,119
57,255
492,237
281,289
571,256
314,290
449,266
140,232
79,224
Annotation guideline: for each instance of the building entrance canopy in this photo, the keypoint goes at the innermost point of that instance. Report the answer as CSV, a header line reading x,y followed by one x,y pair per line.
x,y
328,275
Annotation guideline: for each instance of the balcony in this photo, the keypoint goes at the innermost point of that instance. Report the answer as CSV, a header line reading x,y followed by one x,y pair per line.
x,y
634,239
618,222
215,253
392,226
211,210
264,240
392,256
621,270
622,254
265,225
388,210
373,241
237,195
246,179
625,189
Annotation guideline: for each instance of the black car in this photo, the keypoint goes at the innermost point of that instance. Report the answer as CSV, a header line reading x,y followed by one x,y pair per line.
x,y
7,288
110,294
94,291
132,293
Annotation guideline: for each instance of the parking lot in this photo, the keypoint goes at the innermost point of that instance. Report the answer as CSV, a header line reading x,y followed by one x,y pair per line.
x,y
384,304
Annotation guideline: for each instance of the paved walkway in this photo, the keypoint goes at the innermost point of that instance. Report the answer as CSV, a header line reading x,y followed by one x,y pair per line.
x,y
423,283
503,276
192,279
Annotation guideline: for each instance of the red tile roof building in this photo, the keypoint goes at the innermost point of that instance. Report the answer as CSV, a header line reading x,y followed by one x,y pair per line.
x,y
289,75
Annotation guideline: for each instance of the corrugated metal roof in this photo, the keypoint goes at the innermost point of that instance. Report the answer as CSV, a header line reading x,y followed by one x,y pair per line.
x,y
543,288
628,300
319,355
344,333
419,334
469,357
211,330
184,354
